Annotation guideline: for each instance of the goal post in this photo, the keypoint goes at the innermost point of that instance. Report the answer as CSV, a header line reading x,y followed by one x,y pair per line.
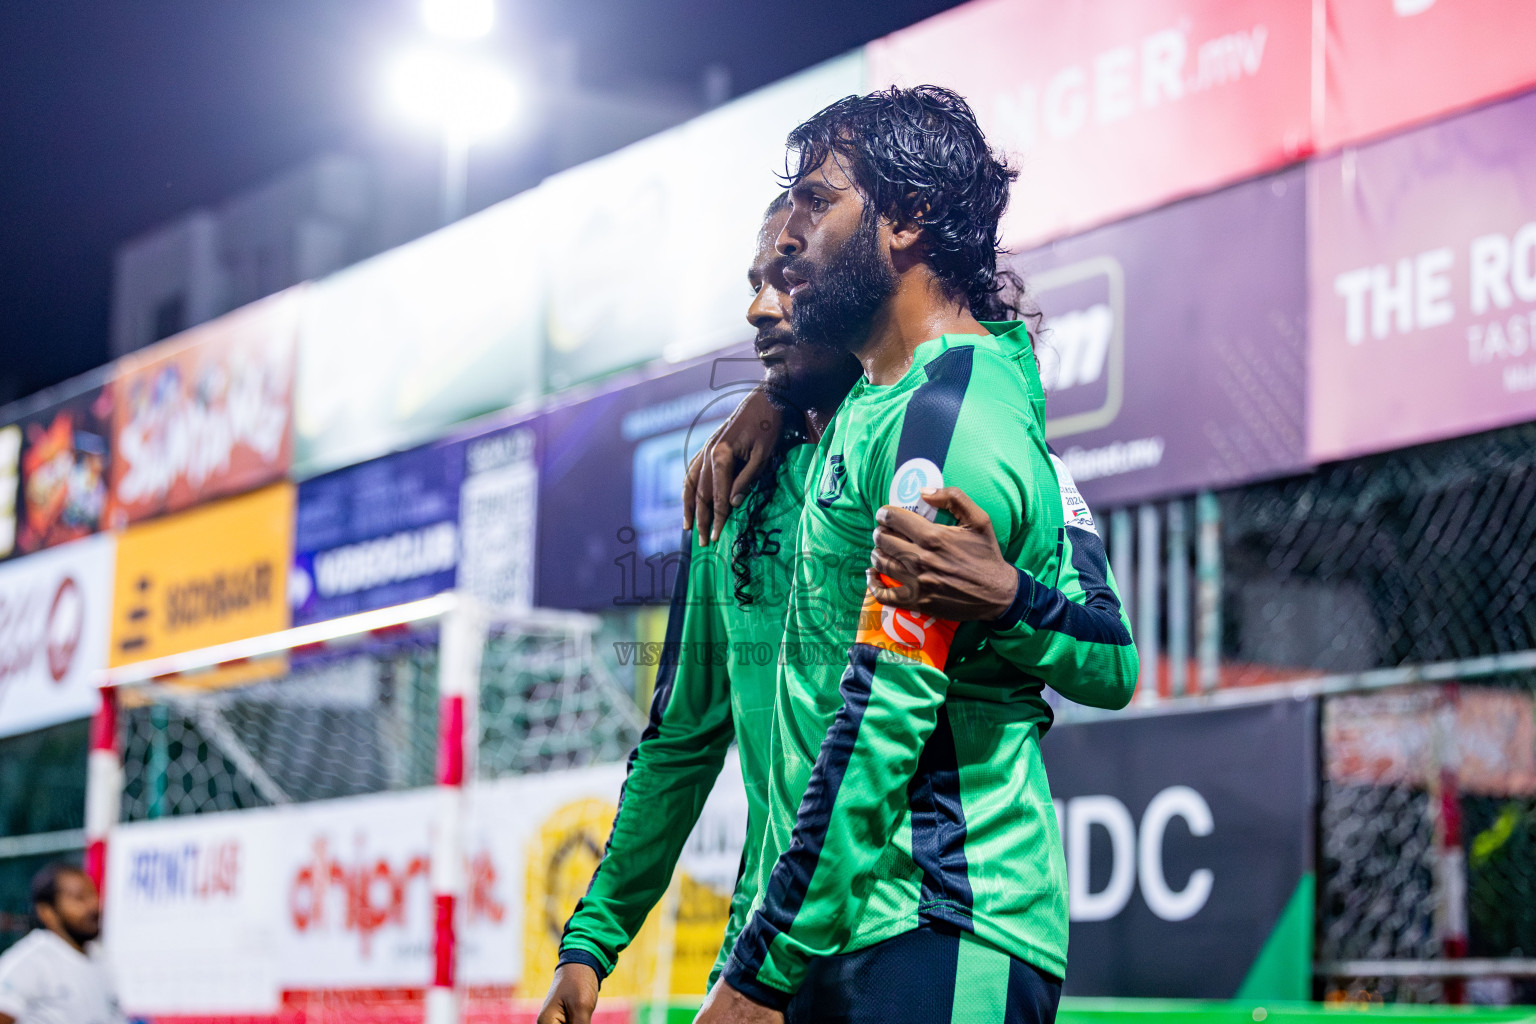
x,y
383,700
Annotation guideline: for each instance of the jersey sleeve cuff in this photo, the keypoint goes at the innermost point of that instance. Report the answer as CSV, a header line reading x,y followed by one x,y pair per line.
x,y
1023,597
581,956
742,980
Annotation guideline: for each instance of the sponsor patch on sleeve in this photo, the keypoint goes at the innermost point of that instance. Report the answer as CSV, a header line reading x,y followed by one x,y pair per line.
x,y
1074,510
911,634
912,478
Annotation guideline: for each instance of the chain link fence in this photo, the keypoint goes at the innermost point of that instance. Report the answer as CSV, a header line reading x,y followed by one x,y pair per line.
x,y
1383,570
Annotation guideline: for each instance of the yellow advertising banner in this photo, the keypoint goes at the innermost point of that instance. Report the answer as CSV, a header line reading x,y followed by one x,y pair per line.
x,y
214,574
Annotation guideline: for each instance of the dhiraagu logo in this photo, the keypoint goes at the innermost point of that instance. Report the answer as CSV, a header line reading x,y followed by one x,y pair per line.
x,y
912,478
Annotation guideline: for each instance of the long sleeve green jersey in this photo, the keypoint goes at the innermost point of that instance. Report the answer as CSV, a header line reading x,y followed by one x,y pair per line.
x,y
717,678
715,682
907,784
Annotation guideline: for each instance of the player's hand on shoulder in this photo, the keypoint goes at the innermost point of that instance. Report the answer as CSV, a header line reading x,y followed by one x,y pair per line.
x,y
572,996
725,1005
723,470
957,573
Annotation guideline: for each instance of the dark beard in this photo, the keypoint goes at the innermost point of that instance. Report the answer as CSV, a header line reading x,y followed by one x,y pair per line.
x,y
81,934
820,387
845,293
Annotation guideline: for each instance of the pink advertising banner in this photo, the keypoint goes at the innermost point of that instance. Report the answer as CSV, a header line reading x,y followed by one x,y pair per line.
x,y
1394,63
1423,284
1117,106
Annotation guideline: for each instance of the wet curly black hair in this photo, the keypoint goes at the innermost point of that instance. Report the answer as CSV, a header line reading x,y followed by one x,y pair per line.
x,y
918,156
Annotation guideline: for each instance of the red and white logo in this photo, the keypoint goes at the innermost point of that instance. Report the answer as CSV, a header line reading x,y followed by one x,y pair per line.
x,y
905,627
66,625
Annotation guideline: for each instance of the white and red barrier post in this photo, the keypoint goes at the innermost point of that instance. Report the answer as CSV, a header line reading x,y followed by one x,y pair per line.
x,y
103,786
463,641
1450,860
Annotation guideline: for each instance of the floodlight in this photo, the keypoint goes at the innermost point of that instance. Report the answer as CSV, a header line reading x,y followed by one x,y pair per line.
x,y
459,19
466,98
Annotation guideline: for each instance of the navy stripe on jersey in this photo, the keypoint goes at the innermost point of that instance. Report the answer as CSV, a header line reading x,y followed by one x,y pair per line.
x,y
928,426
666,676
1046,608
1092,566
791,876
938,829
934,408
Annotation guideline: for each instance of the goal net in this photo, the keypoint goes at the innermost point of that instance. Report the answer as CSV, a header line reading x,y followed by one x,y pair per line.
x,y
352,820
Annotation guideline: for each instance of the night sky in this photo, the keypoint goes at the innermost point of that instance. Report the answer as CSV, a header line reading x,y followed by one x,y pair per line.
x,y
118,115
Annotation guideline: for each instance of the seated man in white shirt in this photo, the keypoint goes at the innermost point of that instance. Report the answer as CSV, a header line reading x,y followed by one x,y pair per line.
x,y
47,977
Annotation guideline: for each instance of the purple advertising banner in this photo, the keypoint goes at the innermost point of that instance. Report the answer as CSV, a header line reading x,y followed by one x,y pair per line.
x,y
1174,355
1423,268
457,513
611,481
376,534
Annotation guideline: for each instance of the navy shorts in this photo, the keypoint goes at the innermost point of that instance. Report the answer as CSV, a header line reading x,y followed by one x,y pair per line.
x,y
925,976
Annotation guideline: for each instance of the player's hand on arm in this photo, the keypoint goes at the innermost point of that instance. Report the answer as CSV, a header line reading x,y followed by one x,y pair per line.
x,y
572,996
719,476
725,1005
955,572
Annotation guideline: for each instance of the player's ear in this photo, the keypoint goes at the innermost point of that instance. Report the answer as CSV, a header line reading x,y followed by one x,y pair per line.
x,y
907,227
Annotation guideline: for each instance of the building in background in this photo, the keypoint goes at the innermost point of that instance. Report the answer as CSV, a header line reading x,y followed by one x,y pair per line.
x,y
342,207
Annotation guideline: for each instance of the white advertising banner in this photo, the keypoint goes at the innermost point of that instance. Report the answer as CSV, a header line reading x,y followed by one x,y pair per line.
x,y
356,893
55,613
718,169
433,333
243,912
193,916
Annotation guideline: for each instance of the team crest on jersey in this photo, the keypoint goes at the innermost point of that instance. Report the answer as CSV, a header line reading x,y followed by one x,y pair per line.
x,y
833,475
1074,510
912,478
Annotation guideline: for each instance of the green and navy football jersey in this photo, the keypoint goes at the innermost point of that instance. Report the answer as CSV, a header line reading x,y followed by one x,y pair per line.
x,y
715,682
907,785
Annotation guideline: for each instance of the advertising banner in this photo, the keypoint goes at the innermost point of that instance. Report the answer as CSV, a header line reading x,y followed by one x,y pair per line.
x,y
458,513
1174,352
1423,284
378,534
498,516
207,414
1393,63
10,486
55,463
686,203
203,577
400,347
611,482
246,912
55,609
193,913
1113,107
1188,839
